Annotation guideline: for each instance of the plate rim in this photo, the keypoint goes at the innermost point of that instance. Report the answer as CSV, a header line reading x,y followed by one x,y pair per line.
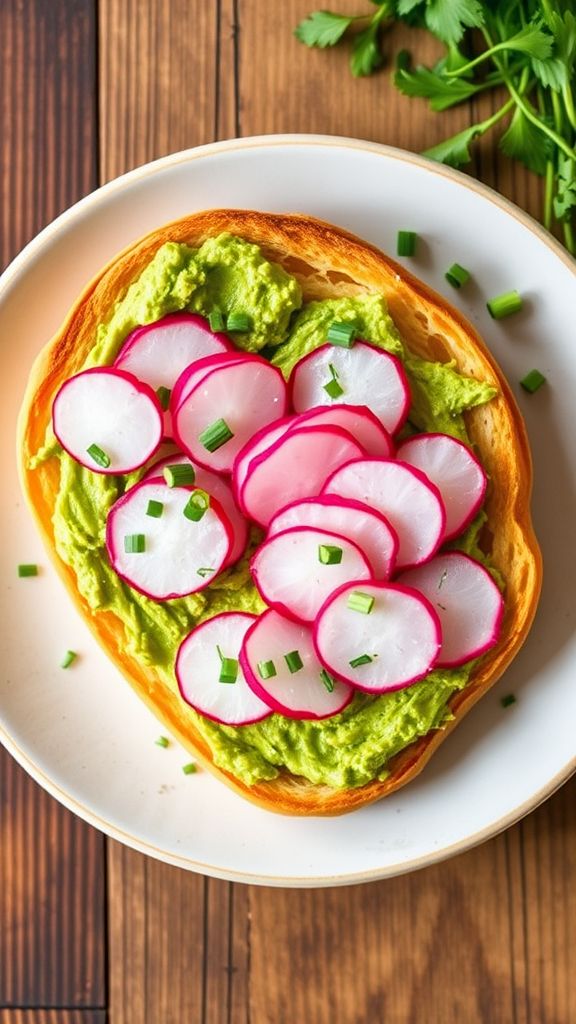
x,y
11,274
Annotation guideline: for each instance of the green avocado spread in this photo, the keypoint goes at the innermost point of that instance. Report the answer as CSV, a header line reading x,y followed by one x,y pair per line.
x,y
229,274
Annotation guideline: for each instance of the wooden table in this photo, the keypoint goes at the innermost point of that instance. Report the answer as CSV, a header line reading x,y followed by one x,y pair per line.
x,y
90,931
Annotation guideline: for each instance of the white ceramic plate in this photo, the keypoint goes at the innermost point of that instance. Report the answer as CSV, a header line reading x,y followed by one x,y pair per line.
x,y
84,735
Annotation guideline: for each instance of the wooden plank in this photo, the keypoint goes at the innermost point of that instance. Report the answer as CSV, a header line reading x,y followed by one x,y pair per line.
x,y
51,864
53,1016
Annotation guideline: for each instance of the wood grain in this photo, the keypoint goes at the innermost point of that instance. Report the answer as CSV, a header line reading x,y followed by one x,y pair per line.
x,y
52,1016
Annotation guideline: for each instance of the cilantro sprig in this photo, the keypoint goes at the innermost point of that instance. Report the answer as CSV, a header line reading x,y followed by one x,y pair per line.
x,y
527,53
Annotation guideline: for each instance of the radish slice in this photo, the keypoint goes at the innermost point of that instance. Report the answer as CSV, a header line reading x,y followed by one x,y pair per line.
x,y
306,692
296,466
366,527
358,420
217,488
180,555
384,647
242,396
410,502
193,374
297,570
368,376
468,603
199,667
107,420
456,472
258,443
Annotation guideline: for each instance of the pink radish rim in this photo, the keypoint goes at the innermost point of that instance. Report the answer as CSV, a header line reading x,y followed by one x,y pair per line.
x,y
177,673
411,592
171,318
275,705
278,606
301,420
204,363
476,508
111,547
244,452
138,385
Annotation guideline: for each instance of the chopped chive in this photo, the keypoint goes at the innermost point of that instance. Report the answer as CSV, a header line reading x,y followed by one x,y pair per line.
x,y
27,569
98,456
505,304
239,321
68,659
214,436
294,661
329,554
180,475
155,509
359,602
216,321
190,769
457,275
228,670
197,505
266,669
406,243
163,395
341,334
508,700
532,381
327,680
162,741
205,571
333,389
134,543
362,659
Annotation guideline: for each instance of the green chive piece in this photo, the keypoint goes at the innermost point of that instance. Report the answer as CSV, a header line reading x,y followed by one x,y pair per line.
x,y
214,436
134,543
190,769
266,669
341,334
27,569
162,741
333,388
532,381
359,602
327,680
457,275
294,661
163,395
180,475
228,670
155,509
197,505
504,305
204,572
508,700
216,321
362,659
98,456
68,659
329,554
239,321
406,243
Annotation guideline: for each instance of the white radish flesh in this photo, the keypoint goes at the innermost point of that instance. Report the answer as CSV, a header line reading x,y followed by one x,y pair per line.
x,y
158,353
296,466
368,376
366,527
456,472
292,578
199,668
245,395
258,443
410,502
107,420
180,555
391,646
218,488
468,602
358,420
307,692
192,375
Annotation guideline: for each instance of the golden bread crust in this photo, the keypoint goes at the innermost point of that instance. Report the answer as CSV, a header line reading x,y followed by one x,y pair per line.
x,y
327,262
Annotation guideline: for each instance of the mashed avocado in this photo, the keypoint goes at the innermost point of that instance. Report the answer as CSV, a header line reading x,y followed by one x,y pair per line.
x,y
227,273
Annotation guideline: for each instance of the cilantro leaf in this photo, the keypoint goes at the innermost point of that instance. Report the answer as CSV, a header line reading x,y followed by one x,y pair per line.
x,y
448,19
442,92
565,198
551,72
455,151
407,6
322,28
532,40
366,53
523,141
